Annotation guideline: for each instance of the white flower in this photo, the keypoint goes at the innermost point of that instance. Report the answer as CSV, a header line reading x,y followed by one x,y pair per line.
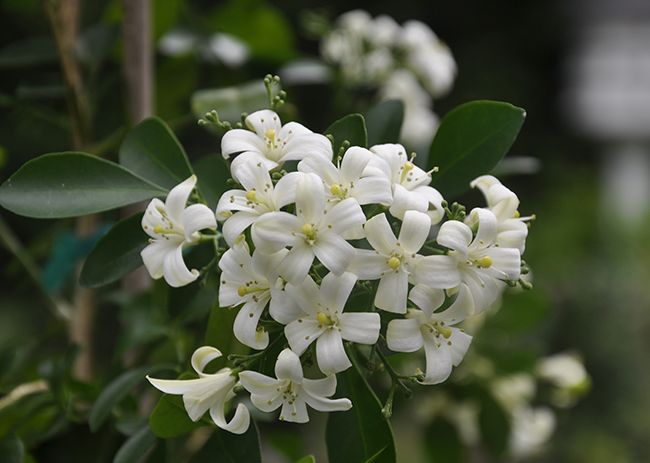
x,y
444,345
567,374
291,390
314,231
349,180
511,228
393,259
325,322
208,392
258,197
250,281
172,226
270,143
410,184
531,428
475,261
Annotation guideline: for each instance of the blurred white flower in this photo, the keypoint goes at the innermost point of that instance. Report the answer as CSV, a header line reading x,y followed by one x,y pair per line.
x,y
530,429
208,392
226,49
172,226
291,390
569,376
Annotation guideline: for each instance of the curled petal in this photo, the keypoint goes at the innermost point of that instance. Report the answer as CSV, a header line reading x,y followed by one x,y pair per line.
x,y
240,140
458,345
198,217
177,198
327,405
455,235
486,234
153,218
153,256
236,225
438,359
239,422
202,356
245,327
330,354
175,271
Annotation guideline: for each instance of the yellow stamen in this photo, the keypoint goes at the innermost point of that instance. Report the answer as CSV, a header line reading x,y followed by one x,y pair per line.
x,y
323,318
309,231
444,331
484,262
251,196
336,190
242,291
394,262
406,168
516,215
158,229
270,136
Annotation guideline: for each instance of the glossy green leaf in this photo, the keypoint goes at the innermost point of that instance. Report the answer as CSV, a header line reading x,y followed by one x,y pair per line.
x,y
213,174
116,254
226,447
494,424
136,446
115,391
152,151
362,433
470,141
384,122
71,184
169,418
12,449
446,447
351,128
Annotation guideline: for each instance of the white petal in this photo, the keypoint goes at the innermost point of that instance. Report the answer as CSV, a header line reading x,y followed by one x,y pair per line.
x,y
175,271
179,386
335,290
330,353
368,265
405,200
152,218
203,356
288,366
392,291
239,165
283,308
198,217
240,140
462,307
484,289
435,210
344,216
426,298
501,201
285,190
269,402
295,412
261,121
177,198
327,405
323,387
306,295
266,265
369,190
153,256
296,264
506,261
258,384
273,231
236,225
362,328
233,200
459,345
310,198
380,235
404,335
322,167
333,251
512,233
393,155
354,162
439,272
239,422
414,231
455,235
301,333
245,325
438,358
486,234
312,144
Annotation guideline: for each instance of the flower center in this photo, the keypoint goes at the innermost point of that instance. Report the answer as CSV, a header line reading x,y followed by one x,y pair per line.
x,y
394,262
309,231
439,329
251,196
324,319
251,287
337,190
271,140
406,168
484,262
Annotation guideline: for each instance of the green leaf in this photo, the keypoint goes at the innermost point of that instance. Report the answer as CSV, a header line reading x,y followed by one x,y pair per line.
x,y
116,254
169,418
470,141
494,424
152,151
115,391
70,184
384,122
307,459
136,446
12,449
226,447
351,128
213,174
362,433
446,447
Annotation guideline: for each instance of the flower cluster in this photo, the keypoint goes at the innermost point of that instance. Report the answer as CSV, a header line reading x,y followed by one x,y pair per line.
x,y
308,250
406,62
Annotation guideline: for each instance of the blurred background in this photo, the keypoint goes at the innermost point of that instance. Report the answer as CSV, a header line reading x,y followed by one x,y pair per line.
x,y
581,164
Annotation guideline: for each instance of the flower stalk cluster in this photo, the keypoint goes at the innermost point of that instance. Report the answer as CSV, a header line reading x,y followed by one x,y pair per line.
x,y
303,246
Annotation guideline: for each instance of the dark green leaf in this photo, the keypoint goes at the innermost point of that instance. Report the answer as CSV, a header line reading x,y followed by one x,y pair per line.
x,y
362,433
494,424
116,254
470,141
307,459
226,447
169,418
117,390
219,334
152,151
384,122
213,173
351,128
71,184
446,447
12,449
136,446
